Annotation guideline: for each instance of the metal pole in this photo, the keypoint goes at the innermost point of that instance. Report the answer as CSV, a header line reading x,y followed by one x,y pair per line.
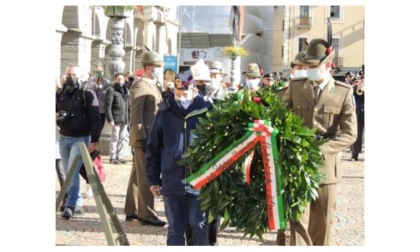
x,y
232,71
179,38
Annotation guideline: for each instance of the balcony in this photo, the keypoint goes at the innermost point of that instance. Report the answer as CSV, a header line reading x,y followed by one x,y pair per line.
x,y
304,22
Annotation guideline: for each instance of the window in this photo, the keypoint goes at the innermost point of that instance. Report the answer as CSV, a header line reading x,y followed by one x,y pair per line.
x,y
304,11
304,15
335,12
303,43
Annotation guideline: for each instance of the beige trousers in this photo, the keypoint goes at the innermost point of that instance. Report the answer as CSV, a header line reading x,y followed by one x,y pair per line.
x,y
314,228
139,199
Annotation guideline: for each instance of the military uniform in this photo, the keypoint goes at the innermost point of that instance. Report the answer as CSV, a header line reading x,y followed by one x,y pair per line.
x,y
280,93
333,116
144,99
219,93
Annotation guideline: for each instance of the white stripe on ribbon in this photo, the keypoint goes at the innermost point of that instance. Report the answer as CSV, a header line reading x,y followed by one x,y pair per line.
x,y
212,169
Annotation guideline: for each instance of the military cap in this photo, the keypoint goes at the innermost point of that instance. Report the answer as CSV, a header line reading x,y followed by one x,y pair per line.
x,y
253,70
200,71
318,51
298,59
151,58
350,73
216,67
184,81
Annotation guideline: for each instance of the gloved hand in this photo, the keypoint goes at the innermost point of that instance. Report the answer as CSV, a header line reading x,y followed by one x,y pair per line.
x,y
143,144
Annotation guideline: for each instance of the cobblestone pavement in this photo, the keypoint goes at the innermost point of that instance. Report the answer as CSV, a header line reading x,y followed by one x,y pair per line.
x,y
348,226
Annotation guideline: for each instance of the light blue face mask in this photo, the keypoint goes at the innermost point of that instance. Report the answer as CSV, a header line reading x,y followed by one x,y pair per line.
x,y
184,102
314,74
300,74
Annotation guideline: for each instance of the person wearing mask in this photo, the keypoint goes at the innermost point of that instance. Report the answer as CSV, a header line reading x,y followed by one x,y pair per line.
x,y
78,117
116,108
170,136
297,71
327,106
208,81
99,85
144,99
253,77
217,89
359,97
201,74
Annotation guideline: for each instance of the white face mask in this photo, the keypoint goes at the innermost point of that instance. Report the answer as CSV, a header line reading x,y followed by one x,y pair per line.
x,y
253,84
155,73
315,74
185,101
299,74
214,84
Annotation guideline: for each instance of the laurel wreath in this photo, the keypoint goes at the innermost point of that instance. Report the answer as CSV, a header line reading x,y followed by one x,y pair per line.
x,y
244,205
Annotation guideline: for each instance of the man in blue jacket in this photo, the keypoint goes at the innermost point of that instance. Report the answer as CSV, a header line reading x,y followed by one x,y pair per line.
x,y
170,136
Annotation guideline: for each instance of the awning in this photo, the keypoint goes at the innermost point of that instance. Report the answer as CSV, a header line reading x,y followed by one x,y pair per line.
x,y
204,40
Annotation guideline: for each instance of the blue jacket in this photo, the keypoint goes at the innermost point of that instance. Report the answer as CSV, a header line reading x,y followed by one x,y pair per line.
x,y
170,136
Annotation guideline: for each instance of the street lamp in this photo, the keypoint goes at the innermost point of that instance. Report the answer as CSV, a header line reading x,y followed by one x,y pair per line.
x,y
233,52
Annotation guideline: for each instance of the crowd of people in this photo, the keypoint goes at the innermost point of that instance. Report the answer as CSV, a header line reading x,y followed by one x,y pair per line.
x,y
158,120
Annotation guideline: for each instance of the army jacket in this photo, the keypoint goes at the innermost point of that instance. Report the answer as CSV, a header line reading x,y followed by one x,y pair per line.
x,y
333,117
144,99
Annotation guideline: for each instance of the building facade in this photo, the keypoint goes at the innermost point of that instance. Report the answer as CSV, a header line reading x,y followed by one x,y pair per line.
x,y
97,35
84,36
295,26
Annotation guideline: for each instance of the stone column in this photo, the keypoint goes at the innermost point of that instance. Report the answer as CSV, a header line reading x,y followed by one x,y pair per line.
x,y
117,51
129,58
117,14
76,48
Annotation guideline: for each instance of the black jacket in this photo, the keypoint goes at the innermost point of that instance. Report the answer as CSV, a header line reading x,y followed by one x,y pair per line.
x,y
117,104
83,116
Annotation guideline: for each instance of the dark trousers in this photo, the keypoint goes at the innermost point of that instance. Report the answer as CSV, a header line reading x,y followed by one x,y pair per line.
x,y
102,121
214,227
183,211
357,146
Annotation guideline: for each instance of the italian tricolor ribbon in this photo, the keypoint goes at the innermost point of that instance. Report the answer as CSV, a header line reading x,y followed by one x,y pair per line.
x,y
260,131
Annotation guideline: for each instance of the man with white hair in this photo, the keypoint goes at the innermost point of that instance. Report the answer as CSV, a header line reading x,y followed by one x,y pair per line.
x,y
201,74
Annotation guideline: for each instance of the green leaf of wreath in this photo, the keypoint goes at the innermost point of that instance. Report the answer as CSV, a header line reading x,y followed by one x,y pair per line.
x,y
244,205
